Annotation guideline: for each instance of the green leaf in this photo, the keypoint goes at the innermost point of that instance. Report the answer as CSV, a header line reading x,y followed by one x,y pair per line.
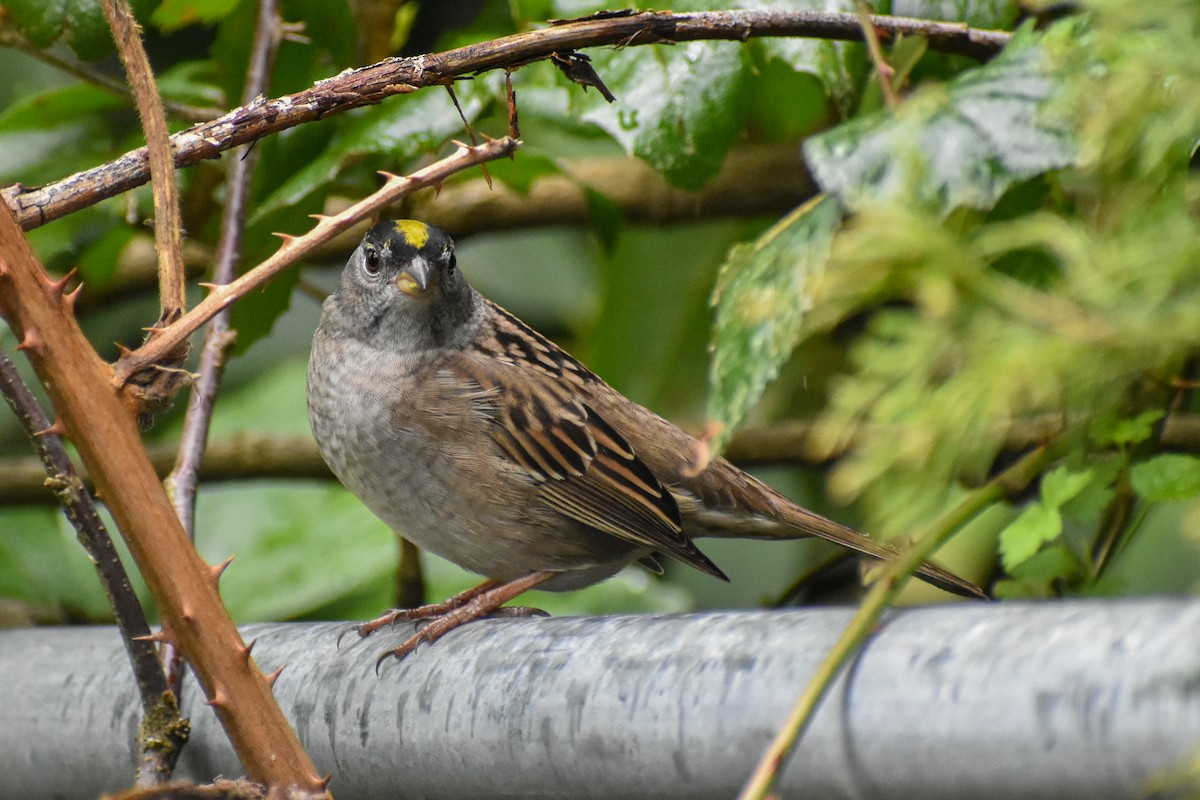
x,y
298,546
63,105
175,14
1060,485
525,12
1167,477
963,144
43,565
839,66
81,24
1038,575
1057,562
397,130
1023,537
761,297
39,21
786,105
679,108
1041,522
976,13
191,82
1124,431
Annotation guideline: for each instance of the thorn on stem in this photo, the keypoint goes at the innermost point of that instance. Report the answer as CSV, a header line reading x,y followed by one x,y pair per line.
x,y
71,297
248,649
218,701
274,676
287,237
31,342
157,638
57,287
58,429
217,570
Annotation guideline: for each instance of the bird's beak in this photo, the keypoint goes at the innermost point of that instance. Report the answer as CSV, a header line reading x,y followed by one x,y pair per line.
x,y
417,279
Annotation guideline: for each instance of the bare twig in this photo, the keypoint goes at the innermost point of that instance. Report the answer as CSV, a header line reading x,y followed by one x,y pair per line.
x,y
893,575
372,84
256,456
185,588
883,69
295,248
163,731
168,235
219,336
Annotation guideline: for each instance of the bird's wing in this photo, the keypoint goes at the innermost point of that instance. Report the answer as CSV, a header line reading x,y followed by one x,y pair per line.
x,y
535,395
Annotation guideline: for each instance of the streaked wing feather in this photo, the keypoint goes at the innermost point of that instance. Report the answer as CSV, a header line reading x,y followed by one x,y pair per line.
x,y
586,469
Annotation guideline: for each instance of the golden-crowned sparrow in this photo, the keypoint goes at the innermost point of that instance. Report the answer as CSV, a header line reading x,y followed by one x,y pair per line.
x,y
478,439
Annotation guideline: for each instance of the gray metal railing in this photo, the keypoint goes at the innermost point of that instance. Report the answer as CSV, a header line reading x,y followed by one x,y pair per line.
x,y
1087,699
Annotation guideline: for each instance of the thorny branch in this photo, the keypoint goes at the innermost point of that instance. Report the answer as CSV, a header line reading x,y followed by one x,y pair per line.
x,y
296,247
163,731
184,587
372,84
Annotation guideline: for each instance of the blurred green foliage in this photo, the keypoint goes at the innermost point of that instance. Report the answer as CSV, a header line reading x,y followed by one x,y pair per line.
x,y
1015,243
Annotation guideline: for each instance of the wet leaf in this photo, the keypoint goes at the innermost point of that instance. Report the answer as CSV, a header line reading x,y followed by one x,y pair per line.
x,y
963,144
761,297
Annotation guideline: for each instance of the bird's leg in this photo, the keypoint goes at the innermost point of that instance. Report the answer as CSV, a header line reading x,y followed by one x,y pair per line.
x,y
471,605
427,611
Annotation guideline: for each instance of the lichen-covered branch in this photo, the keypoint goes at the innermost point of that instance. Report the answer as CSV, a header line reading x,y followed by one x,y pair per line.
x,y
163,731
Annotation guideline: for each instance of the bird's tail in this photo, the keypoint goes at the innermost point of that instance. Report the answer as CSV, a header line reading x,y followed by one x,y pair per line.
x,y
773,516
812,524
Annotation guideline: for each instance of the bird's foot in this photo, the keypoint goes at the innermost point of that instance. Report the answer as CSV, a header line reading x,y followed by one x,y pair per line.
x,y
486,599
430,611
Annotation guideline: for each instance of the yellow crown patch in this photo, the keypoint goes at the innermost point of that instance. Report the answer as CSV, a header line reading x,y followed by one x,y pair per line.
x,y
415,233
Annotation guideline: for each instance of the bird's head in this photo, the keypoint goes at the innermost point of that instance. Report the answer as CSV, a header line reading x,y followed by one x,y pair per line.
x,y
402,286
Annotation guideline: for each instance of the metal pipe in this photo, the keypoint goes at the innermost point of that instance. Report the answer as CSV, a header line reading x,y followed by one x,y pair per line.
x,y
1086,699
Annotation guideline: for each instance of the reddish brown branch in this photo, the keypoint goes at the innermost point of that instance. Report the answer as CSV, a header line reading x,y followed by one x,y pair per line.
x,y
295,248
185,588
372,84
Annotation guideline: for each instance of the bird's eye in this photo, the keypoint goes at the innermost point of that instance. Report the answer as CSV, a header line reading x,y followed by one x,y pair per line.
x,y
372,262
453,263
